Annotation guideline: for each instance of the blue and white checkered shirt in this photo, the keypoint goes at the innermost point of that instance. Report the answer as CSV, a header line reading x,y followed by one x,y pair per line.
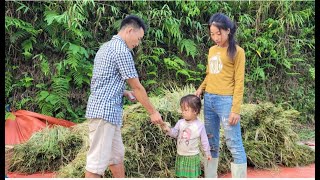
x,y
113,64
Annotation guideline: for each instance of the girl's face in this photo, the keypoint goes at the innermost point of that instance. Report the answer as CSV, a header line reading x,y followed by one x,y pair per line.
x,y
219,36
188,113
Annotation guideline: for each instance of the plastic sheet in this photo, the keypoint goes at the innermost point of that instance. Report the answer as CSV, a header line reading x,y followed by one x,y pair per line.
x,y
35,175
26,123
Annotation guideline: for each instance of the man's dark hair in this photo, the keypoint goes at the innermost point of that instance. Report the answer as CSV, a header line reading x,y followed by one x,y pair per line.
x,y
191,100
134,21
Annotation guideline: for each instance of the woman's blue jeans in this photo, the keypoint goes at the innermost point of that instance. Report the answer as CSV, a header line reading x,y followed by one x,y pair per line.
x,y
217,109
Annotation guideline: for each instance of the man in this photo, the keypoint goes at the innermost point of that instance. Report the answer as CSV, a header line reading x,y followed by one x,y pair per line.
x,y
113,67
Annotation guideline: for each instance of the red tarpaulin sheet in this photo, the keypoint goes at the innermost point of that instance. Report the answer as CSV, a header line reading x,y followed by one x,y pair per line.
x,y
26,123
35,175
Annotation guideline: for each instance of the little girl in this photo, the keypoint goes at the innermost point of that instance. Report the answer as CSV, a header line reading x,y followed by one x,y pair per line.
x,y
189,132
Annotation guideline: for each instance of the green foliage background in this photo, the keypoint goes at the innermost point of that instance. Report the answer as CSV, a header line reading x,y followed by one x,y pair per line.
x,y
50,47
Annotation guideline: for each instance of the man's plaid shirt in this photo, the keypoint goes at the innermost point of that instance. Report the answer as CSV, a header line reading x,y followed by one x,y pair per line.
x,y
113,64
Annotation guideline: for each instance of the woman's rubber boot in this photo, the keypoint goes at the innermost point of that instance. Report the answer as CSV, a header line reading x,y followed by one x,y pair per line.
x,y
239,170
210,168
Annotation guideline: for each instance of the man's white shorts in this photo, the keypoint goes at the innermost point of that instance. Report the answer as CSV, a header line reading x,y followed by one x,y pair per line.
x,y
106,146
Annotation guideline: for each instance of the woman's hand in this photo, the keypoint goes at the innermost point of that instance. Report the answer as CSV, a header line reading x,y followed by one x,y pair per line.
x,y
234,118
198,93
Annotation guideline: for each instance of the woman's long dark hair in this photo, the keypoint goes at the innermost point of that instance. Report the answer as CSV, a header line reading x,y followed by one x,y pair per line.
x,y
221,21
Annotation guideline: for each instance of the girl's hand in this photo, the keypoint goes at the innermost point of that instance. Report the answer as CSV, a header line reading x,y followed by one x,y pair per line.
x,y
209,157
165,127
234,118
130,95
198,92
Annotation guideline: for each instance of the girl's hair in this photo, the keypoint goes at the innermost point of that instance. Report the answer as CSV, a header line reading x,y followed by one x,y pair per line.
x,y
193,101
221,21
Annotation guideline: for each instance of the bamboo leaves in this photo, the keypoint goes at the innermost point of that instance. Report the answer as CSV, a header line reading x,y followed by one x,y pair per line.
x,y
278,39
188,46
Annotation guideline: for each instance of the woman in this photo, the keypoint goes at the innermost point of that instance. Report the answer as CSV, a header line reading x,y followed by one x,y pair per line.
x,y
223,93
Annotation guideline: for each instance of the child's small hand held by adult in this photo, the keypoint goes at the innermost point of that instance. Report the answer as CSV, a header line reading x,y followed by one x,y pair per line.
x,y
165,126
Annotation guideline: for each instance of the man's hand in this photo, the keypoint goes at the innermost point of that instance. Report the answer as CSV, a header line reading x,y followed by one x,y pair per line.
x,y
130,95
156,118
234,118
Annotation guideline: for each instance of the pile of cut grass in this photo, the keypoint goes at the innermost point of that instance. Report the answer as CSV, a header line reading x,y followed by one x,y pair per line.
x,y
76,167
268,138
274,130
46,150
267,135
148,151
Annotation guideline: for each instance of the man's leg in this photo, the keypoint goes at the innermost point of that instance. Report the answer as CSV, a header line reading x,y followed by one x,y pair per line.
x,y
117,170
101,135
117,155
91,175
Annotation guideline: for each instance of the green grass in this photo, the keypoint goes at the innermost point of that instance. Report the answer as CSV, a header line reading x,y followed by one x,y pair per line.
x,y
306,134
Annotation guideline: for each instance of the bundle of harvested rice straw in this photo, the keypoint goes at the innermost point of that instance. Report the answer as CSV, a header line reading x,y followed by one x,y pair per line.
x,y
267,134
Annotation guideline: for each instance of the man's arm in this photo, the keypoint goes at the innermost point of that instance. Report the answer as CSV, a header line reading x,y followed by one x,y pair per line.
x,y
141,95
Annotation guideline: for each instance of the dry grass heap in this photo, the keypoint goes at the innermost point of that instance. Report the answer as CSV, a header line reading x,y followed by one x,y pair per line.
x,y
271,128
46,150
268,138
267,133
75,169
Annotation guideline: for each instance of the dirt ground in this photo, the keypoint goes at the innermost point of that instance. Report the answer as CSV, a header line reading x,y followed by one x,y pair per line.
x,y
282,172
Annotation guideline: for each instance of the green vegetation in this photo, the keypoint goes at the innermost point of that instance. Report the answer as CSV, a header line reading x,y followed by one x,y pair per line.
x,y
50,46
306,134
